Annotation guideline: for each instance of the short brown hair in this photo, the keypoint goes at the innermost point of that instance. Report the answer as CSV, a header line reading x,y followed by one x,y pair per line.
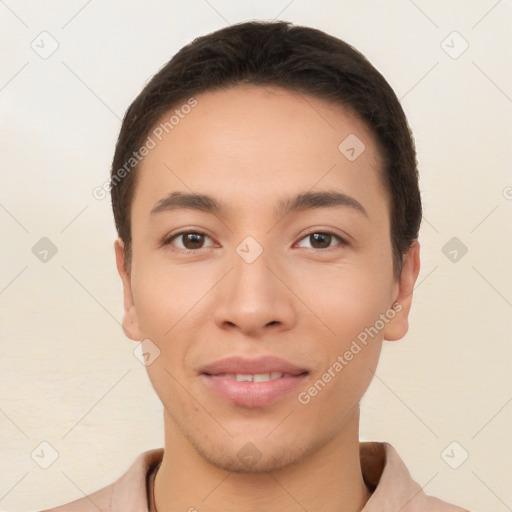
x,y
296,58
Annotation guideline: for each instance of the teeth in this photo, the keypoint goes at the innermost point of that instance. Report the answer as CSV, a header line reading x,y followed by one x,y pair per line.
x,y
258,377
261,377
243,377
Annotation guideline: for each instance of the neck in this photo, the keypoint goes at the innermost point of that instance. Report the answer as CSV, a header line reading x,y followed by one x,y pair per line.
x,y
328,479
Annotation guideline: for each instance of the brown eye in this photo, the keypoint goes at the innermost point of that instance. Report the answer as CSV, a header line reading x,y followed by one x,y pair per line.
x,y
320,240
193,240
188,240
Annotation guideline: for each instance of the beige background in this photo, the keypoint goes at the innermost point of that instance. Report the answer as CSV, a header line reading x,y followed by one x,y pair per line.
x,y
68,376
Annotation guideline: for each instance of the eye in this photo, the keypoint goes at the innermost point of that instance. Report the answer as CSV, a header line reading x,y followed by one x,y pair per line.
x,y
189,240
321,240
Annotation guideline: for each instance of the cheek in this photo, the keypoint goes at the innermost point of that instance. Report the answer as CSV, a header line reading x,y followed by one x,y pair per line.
x,y
345,299
170,305
165,296
351,303
349,362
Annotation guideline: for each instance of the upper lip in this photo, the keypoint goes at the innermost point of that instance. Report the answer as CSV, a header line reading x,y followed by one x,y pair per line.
x,y
244,365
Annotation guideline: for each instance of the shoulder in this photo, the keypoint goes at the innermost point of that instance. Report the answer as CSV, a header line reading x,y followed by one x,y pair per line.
x,y
127,494
99,500
393,487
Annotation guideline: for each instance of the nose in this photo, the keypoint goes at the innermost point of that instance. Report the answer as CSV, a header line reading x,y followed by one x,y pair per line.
x,y
254,298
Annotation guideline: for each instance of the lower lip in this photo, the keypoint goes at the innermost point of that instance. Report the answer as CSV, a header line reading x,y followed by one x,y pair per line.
x,y
252,394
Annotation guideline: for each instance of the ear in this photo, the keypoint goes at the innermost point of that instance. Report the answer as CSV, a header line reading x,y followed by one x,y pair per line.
x,y
397,327
130,321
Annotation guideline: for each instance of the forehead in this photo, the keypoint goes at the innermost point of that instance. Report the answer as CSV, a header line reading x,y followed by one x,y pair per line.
x,y
251,145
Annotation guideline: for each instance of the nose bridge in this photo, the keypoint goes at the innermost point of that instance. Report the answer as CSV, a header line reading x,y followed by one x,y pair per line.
x,y
252,297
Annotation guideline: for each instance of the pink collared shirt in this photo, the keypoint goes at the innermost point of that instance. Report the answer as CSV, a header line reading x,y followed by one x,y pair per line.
x,y
383,470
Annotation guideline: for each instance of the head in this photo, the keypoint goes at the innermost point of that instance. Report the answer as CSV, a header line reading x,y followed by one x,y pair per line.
x,y
286,159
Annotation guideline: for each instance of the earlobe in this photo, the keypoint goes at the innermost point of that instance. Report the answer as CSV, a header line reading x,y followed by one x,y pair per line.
x,y
397,328
130,321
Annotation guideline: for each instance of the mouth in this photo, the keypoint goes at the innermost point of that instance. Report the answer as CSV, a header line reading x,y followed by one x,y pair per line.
x,y
252,383
256,377
262,366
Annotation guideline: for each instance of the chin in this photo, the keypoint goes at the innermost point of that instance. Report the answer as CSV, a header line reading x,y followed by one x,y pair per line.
x,y
252,454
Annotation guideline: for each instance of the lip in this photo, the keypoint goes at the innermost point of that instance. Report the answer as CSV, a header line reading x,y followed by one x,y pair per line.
x,y
252,394
262,364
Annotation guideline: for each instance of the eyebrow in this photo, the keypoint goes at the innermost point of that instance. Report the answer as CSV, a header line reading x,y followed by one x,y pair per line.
x,y
302,201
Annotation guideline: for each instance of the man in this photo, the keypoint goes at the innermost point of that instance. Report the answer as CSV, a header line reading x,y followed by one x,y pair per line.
x,y
265,192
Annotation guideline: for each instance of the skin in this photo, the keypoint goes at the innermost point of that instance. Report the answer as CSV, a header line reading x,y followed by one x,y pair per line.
x,y
249,147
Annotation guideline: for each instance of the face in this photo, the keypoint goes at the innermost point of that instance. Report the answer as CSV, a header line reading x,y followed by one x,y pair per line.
x,y
286,254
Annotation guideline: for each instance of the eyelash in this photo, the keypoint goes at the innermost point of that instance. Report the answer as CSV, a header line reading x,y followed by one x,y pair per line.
x,y
170,239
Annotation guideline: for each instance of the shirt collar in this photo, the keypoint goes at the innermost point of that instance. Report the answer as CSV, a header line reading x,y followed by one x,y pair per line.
x,y
383,470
